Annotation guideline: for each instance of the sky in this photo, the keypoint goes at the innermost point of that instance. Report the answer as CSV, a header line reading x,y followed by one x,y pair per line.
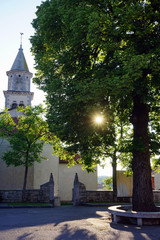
x,y
15,18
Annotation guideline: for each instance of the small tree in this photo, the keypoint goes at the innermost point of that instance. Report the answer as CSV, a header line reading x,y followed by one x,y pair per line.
x,y
108,183
26,137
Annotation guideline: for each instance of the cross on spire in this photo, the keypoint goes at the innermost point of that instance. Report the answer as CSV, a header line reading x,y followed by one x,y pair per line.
x,y
21,40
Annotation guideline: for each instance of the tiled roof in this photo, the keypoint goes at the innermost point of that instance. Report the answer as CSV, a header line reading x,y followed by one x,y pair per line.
x,y
77,156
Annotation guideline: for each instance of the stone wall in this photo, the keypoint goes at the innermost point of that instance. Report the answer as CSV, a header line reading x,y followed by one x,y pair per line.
x,y
45,194
31,195
81,195
99,196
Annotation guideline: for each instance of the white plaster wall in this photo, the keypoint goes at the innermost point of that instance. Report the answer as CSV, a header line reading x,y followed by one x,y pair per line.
x,y
43,170
124,184
66,180
157,181
12,177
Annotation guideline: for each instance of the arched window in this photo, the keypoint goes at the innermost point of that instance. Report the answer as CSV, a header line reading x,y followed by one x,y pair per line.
x,y
21,104
14,104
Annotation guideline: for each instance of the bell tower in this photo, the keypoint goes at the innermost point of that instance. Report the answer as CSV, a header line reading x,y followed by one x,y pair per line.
x,y
19,78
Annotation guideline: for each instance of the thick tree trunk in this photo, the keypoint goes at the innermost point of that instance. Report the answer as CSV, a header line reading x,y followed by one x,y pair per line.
x,y
142,184
114,168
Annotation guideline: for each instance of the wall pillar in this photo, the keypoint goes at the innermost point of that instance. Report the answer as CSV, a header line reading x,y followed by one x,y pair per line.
x,y
51,189
79,192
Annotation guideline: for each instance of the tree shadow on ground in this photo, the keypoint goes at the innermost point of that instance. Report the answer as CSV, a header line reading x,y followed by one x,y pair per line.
x,y
25,217
78,234
67,233
25,236
68,222
138,232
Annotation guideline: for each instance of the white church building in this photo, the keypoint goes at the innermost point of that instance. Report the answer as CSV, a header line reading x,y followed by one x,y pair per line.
x,y
19,94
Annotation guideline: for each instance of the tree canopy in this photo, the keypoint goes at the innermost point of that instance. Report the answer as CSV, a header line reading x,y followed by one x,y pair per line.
x,y
101,56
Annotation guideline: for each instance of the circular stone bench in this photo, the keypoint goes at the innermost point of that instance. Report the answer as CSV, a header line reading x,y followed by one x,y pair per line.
x,y
122,212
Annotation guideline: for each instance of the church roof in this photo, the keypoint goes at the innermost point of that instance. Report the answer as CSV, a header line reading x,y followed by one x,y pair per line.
x,y
20,63
77,156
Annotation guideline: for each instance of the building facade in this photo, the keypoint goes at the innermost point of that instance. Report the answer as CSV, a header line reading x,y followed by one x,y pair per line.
x,y
18,94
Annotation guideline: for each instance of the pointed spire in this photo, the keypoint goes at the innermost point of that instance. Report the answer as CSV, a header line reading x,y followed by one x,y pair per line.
x,y
51,178
20,63
76,181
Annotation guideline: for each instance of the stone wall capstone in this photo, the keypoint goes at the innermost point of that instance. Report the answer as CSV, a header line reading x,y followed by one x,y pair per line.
x,y
49,189
79,192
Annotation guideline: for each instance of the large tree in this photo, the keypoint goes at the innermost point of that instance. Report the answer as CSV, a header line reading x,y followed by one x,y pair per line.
x,y
101,55
26,136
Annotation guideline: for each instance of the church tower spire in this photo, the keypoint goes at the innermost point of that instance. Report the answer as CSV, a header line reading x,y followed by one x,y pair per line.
x,y
21,40
19,78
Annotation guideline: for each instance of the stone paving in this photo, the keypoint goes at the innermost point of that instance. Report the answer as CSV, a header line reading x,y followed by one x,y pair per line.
x,y
68,223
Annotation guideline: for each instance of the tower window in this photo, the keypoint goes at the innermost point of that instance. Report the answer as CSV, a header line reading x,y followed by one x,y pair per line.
x,y
14,104
21,104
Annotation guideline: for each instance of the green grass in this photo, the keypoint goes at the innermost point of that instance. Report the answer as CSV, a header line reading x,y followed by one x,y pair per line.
x,y
97,202
66,203
108,202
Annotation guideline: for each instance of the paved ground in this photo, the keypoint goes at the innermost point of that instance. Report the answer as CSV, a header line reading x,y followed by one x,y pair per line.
x,y
68,223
